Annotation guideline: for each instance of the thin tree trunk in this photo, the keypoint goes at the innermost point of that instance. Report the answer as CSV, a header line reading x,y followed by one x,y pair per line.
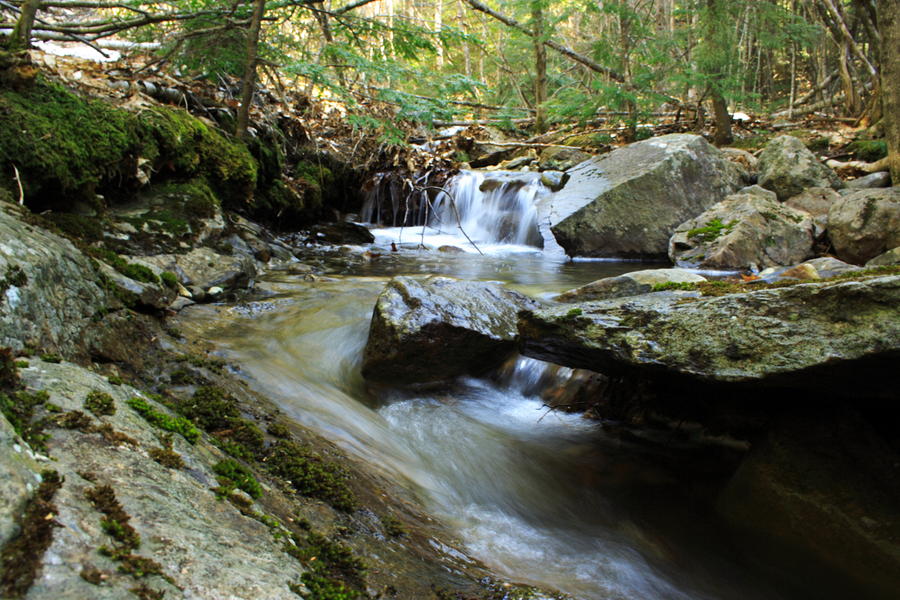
x,y
249,82
21,35
723,135
889,27
540,64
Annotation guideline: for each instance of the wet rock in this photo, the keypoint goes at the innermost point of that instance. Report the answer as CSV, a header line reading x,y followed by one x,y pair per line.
x,y
203,268
817,202
823,484
817,268
627,203
787,168
746,231
839,337
865,224
891,257
146,296
50,290
451,250
437,328
341,233
554,180
629,284
882,179
206,546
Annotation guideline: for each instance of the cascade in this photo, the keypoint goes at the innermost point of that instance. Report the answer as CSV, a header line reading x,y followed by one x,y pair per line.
x,y
491,207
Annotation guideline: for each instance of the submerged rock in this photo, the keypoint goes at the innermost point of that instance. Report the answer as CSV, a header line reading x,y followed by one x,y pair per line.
x,y
746,231
839,337
787,167
864,224
436,328
629,284
627,203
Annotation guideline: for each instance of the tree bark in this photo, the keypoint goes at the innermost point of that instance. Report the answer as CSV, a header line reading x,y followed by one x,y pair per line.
x,y
723,135
540,67
889,26
21,35
249,82
715,19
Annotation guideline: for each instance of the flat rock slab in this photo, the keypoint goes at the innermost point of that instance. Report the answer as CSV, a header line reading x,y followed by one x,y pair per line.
x,y
817,336
629,284
436,328
627,203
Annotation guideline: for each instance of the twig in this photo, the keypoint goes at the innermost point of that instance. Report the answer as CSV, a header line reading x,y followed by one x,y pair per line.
x,y
21,191
456,212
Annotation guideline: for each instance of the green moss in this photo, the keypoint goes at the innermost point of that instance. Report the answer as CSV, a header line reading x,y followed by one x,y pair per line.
x,y
115,521
239,476
51,358
63,145
310,474
100,403
166,422
210,407
278,429
673,285
326,558
75,419
322,588
393,526
165,455
145,592
79,227
14,277
20,558
20,407
169,279
9,370
712,230
140,273
114,380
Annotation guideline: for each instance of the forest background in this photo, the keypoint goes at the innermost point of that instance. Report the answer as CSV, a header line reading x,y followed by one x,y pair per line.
x,y
532,64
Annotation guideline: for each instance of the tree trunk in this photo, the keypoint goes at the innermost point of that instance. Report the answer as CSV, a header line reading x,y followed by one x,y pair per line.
x,y
540,64
723,135
889,26
249,82
21,35
715,19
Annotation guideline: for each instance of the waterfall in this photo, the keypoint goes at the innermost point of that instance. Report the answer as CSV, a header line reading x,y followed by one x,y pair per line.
x,y
491,207
494,207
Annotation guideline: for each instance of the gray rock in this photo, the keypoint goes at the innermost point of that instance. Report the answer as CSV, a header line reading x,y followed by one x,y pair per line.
x,y
817,268
341,233
561,159
19,477
58,294
205,545
787,168
152,296
817,202
881,179
825,485
746,231
203,268
629,284
627,203
891,257
743,158
554,180
437,328
840,337
865,224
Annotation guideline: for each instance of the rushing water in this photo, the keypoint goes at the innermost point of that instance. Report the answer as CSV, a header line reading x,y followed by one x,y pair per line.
x,y
542,497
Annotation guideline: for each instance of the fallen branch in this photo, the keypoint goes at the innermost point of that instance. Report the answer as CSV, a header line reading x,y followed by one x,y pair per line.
x,y
859,165
21,191
530,145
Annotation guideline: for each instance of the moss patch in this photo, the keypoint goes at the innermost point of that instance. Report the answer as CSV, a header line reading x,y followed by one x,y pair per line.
x,y
712,230
310,474
235,475
100,403
20,558
166,422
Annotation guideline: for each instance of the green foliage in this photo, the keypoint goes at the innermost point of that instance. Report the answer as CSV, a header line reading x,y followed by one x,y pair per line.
x,y
159,419
132,270
673,285
210,407
100,403
239,476
868,150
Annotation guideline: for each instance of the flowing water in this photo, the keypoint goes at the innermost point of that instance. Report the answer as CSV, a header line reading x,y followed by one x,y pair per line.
x,y
541,497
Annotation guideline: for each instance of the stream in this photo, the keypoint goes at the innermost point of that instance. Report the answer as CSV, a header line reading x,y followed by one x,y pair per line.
x,y
541,497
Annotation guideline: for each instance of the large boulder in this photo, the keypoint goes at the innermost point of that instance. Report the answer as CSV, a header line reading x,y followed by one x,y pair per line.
x,y
204,268
49,291
865,224
437,328
627,203
787,167
823,484
746,231
817,202
629,284
838,337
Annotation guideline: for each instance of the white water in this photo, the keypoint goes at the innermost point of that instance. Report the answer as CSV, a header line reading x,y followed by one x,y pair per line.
x,y
494,212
